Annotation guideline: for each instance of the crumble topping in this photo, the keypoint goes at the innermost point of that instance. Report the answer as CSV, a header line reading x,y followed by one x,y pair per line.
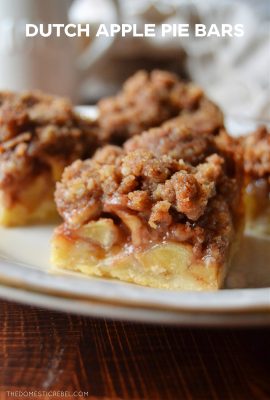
x,y
37,130
257,153
147,100
187,137
138,181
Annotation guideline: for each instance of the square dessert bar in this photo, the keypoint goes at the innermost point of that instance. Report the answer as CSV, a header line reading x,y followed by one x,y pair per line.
x,y
39,136
257,174
147,100
163,211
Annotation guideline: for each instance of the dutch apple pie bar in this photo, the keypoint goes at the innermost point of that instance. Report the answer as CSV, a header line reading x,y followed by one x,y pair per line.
x,y
165,210
39,136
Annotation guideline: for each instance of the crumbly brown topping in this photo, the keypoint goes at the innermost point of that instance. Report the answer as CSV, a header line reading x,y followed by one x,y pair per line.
x,y
138,181
187,137
147,100
172,197
36,130
257,153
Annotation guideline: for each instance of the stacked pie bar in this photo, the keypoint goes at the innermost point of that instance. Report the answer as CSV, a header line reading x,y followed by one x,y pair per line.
x,y
147,100
165,210
257,174
39,136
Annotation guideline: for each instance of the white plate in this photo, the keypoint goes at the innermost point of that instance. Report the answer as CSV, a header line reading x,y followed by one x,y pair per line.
x,y
25,276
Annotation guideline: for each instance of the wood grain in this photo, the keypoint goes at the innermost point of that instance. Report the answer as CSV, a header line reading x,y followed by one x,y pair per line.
x,y
44,350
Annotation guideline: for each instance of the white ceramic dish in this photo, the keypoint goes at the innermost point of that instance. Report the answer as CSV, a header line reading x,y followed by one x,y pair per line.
x,y
25,276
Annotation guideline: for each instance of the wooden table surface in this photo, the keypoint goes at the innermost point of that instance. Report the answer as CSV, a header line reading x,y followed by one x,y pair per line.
x,y
47,351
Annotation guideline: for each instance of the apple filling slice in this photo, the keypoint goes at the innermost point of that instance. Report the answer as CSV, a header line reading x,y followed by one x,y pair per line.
x,y
257,203
153,220
31,204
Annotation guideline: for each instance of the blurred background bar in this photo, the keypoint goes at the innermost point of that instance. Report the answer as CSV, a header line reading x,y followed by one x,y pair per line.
x,y
233,70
